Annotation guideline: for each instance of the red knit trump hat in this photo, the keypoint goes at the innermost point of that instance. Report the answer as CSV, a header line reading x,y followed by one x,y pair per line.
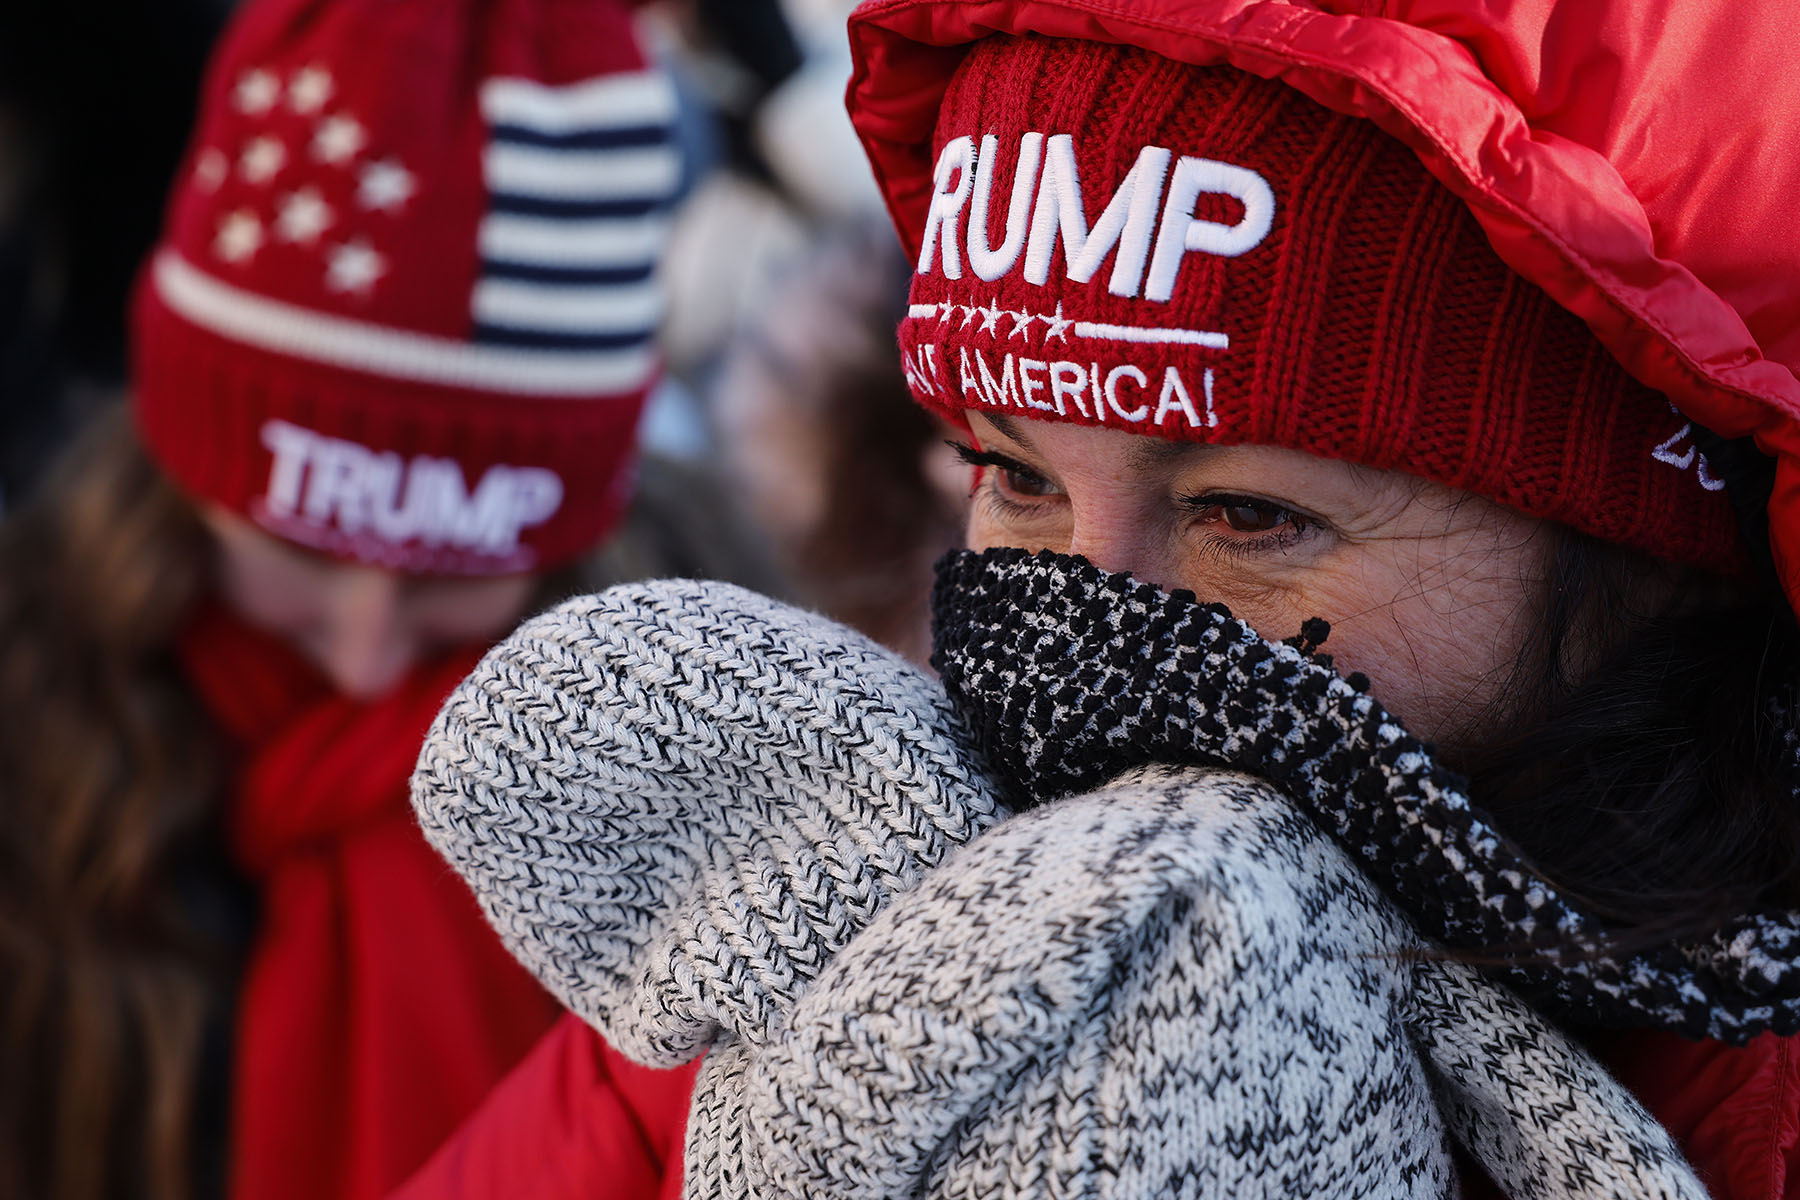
x,y
1196,253
403,309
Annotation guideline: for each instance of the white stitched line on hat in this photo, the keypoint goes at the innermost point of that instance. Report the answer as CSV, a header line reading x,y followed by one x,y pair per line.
x,y
336,341
955,161
991,262
1089,329
632,173
612,101
1151,334
603,242
1128,221
630,308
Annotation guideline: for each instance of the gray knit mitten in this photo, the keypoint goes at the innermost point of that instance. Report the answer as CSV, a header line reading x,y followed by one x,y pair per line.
x,y
676,802
710,822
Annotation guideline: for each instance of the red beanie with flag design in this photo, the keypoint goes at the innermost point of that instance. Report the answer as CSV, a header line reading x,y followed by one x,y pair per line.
x,y
403,310
1116,239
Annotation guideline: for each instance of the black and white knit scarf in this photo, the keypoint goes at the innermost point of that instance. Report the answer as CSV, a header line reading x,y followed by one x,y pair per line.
x,y
1068,675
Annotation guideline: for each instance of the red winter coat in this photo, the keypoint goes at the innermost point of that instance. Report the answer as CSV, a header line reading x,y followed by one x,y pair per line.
x,y
575,1120
1734,1111
1637,159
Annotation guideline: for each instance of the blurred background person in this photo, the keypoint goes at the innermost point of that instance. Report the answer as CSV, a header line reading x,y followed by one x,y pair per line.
x,y
855,485
786,285
97,100
389,358
142,764
773,191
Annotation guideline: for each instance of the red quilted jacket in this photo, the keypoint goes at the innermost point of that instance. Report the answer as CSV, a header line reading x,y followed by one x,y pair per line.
x,y
1734,1111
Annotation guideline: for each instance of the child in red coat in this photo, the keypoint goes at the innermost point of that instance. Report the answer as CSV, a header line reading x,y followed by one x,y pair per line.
x,y
388,364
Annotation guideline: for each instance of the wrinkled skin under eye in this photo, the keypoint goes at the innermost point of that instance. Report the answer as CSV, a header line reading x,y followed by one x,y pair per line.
x,y
1429,591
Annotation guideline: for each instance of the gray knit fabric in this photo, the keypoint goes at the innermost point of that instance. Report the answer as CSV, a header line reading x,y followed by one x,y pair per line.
x,y
674,826
711,822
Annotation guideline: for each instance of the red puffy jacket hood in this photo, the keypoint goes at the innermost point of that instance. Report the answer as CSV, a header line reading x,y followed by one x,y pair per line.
x,y
1633,158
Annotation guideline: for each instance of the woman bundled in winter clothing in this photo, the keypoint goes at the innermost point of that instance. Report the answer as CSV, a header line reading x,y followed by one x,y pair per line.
x,y
389,358
1384,432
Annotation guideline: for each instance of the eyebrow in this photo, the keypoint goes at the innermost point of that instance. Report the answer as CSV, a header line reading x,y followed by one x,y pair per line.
x,y
1155,452
1009,428
1148,453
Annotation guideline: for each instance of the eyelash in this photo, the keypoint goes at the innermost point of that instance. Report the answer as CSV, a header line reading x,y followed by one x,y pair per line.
x,y
988,467
1294,529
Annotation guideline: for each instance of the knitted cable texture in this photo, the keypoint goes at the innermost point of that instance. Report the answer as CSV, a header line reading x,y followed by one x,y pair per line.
x,y
1069,674
630,772
1165,988
710,822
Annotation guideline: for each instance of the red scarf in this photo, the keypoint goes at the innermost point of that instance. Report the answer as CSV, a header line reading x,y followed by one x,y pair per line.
x,y
377,1007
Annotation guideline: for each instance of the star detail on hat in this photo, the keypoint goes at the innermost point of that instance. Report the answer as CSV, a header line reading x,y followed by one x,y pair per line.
x,y
968,312
944,307
354,267
1022,323
1059,325
990,316
256,92
262,159
304,216
385,186
240,236
338,140
310,89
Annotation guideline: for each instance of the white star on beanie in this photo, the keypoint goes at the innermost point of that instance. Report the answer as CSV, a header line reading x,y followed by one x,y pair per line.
x,y
304,216
354,267
256,92
990,316
386,186
262,159
211,168
338,140
310,90
240,236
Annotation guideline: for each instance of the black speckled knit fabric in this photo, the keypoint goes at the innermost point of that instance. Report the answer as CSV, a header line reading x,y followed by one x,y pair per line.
x,y
1069,675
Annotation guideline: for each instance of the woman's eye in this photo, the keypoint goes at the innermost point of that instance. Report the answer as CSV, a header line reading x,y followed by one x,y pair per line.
x,y
1254,518
1023,481
1247,521
1006,478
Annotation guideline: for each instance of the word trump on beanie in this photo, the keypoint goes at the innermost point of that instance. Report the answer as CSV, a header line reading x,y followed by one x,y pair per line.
x,y
330,492
1129,224
1198,254
404,308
